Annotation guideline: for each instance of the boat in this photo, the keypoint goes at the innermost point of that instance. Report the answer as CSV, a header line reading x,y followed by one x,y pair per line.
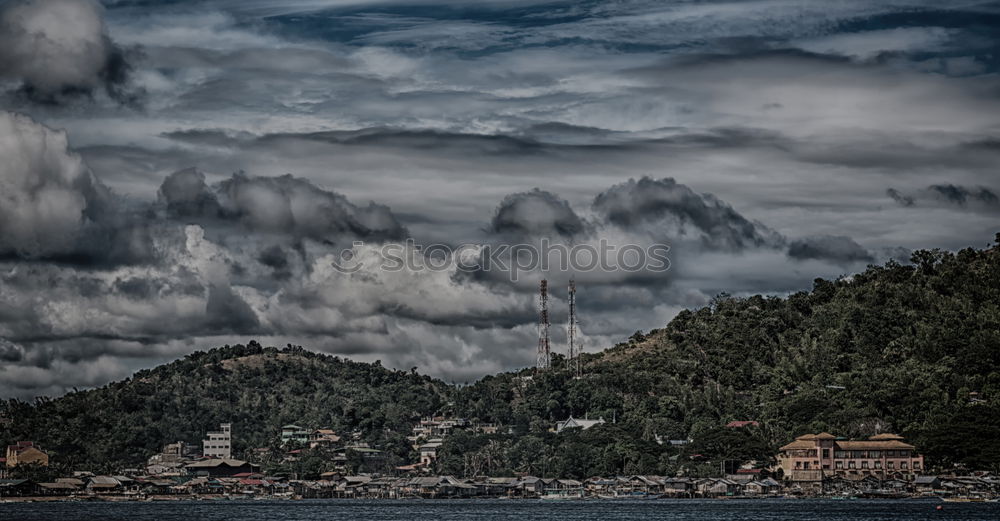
x,y
630,496
561,496
963,499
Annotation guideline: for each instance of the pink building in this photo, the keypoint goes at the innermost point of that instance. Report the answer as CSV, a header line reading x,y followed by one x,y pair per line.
x,y
813,457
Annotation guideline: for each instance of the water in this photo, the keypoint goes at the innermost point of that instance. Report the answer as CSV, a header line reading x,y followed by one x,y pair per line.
x,y
520,510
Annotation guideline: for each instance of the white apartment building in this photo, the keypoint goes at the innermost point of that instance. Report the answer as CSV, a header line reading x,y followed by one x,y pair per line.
x,y
218,444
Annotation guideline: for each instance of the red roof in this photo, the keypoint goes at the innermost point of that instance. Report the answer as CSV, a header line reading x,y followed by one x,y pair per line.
x,y
243,475
740,424
252,482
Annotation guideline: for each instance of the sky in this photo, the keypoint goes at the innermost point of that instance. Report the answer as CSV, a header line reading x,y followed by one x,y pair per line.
x,y
183,174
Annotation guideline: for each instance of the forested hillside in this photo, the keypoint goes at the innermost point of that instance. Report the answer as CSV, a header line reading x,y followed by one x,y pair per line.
x,y
911,349
257,389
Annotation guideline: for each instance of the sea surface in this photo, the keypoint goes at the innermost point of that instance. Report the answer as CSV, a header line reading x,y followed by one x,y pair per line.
x,y
520,510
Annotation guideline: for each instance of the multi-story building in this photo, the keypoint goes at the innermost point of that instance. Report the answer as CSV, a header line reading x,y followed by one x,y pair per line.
x,y
815,457
218,444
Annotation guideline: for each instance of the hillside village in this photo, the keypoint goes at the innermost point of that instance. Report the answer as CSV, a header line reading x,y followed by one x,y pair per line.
x,y
884,466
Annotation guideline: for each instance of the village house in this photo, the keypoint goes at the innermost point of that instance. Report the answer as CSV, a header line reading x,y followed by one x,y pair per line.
x,y
25,453
678,487
926,484
294,433
323,438
529,486
716,487
742,476
436,427
220,467
764,487
573,423
811,458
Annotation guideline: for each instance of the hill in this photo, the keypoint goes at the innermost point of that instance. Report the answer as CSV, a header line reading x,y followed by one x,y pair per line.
x,y
912,349
255,388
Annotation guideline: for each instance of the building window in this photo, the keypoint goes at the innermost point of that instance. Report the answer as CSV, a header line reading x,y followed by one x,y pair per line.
x,y
878,464
874,454
840,465
889,464
916,465
826,453
902,465
840,454
864,464
850,464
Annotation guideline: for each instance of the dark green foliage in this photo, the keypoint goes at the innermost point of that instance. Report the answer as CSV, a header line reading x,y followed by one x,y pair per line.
x,y
257,389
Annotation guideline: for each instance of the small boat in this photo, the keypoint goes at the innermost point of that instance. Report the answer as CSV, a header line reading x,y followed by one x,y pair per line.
x,y
964,499
630,496
561,497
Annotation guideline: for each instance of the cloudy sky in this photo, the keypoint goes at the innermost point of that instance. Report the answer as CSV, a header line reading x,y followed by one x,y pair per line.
x,y
183,174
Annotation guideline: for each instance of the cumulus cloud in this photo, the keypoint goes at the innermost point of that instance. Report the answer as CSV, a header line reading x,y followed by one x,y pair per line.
x,y
283,205
53,208
58,48
671,208
536,214
48,195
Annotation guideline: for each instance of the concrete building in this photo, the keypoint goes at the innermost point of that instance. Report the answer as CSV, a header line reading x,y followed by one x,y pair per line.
x,y
218,444
428,452
815,457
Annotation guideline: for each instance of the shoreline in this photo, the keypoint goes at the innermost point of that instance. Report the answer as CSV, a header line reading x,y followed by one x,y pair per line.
x,y
223,498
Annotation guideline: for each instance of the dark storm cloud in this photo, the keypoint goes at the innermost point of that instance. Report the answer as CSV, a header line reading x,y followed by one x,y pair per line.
x,y
283,205
949,194
10,352
58,49
536,214
648,203
961,195
835,248
902,200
